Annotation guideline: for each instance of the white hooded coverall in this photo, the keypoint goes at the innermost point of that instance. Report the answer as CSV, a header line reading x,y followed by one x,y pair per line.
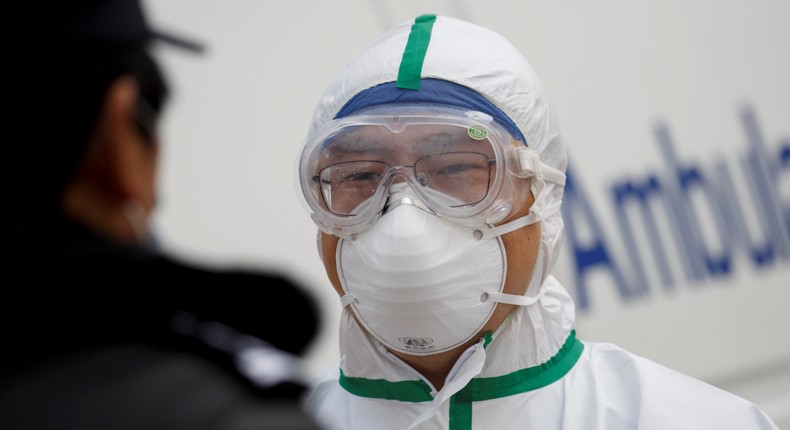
x,y
533,373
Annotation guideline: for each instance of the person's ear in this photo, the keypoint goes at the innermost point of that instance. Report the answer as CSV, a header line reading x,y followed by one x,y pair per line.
x,y
130,154
113,189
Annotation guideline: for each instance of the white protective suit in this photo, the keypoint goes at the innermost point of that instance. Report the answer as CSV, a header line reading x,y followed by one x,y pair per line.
x,y
533,373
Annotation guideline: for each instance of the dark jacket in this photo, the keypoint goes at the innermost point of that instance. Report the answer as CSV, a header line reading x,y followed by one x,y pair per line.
x,y
98,335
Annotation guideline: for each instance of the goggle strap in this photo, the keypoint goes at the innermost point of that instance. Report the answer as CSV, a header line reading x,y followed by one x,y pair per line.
x,y
530,164
551,174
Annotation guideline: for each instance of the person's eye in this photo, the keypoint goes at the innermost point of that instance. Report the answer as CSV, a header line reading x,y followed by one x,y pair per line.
x,y
361,176
457,168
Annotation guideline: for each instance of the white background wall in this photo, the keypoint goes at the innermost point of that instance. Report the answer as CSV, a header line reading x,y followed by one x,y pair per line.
x,y
613,70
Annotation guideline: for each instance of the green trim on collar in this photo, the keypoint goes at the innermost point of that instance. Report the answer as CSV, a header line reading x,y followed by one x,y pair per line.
x,y
517,382
478,389
405,391
410,70
487,338
530,378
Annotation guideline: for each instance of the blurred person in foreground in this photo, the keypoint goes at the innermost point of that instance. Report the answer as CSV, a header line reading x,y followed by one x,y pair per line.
x,y
98,329
434,168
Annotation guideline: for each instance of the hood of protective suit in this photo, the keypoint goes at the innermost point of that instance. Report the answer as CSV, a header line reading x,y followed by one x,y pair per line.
x,y
479,59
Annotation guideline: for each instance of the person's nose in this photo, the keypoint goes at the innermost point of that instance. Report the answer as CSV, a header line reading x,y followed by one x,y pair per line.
x,y
397,195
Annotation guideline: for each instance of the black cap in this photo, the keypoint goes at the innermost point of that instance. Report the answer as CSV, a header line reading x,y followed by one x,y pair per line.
x,y
97,22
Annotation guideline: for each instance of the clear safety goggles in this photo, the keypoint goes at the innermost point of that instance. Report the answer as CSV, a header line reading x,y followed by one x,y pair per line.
x,y
459,163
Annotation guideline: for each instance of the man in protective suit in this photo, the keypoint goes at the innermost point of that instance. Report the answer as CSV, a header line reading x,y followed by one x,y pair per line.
x,y
434,168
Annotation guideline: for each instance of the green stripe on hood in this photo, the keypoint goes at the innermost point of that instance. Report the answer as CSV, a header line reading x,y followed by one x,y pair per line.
x,y
413,56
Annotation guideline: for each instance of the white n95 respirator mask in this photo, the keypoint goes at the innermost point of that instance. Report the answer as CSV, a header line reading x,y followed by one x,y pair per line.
x,y
419,283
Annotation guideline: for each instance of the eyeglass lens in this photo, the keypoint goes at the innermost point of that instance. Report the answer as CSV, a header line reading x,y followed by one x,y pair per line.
x,y
462,177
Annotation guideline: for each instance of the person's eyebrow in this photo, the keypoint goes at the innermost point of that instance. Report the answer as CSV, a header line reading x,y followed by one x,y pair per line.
x,y
355,147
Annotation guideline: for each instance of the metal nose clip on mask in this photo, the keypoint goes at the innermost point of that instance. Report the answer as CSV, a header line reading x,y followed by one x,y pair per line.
x,y
419,283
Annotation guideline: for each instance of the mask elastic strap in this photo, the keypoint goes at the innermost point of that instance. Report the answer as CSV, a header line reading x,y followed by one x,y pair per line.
x,y
521,300
520,222
513,299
